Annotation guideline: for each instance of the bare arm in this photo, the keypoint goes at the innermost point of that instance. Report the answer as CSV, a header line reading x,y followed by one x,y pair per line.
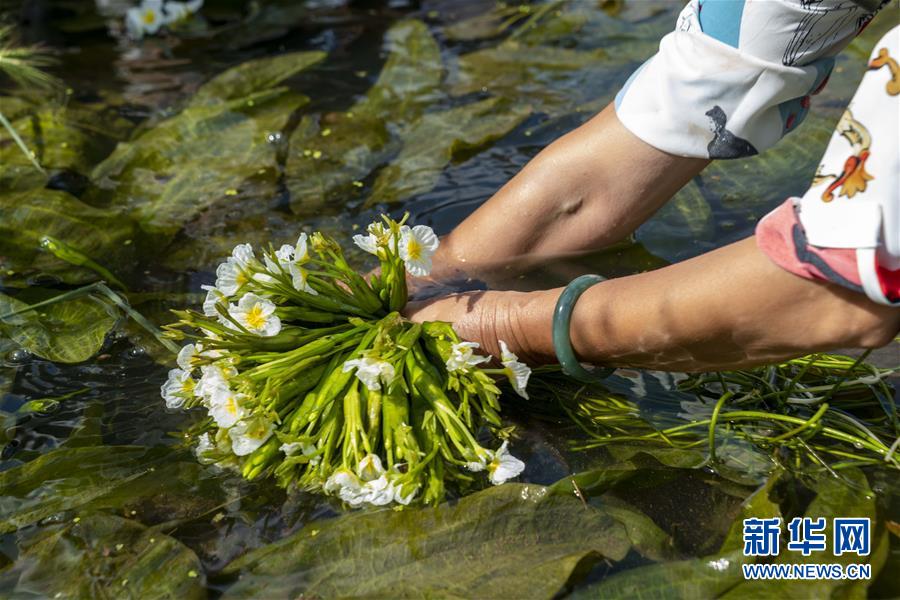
x,y
726,309
588,189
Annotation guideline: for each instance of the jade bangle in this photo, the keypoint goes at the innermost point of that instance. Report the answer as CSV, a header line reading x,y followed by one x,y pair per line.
x,y
562,322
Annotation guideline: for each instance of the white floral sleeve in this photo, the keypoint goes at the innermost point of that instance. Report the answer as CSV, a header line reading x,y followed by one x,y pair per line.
x,y
846,227
737,75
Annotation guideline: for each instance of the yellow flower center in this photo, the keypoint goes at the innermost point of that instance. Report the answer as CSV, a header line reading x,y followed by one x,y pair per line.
x,y
414,249
187,388
149,17
255,317
231,405
240,279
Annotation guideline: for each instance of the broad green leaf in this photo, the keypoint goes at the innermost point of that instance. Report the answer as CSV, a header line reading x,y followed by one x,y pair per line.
x,y
625,462
411,74
254,75
511,541
204,155
104,556
62,138
70,331
103,234
706,577
322,168
679,225
7,374
152,482
553,80
685,579
327,155
64,479
490,24
437,138
754,185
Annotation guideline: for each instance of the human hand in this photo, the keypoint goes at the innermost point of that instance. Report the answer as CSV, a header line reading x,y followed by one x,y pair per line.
x,y
523,320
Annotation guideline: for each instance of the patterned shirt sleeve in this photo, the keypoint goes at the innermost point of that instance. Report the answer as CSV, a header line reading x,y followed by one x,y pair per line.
x,y
846,227
737,75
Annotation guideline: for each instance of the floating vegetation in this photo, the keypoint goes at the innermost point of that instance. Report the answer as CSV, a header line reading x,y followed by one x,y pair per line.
x,y
25,65
825,411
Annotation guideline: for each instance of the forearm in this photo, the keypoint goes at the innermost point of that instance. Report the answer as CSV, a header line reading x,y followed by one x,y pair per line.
x,y
589,189
729,308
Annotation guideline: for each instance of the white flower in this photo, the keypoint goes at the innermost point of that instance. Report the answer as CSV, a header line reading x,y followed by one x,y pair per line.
x,y
504,466
290,260
517,372
378,492
477,466
226,407
417,246
370,485
178,388
213,380
355,492
186,357
146,18
371,372
346,486
399,498
232,274
305,449
213,297
176,11
256,314
368,243
204,445
249,434
370,468
378,235
462,356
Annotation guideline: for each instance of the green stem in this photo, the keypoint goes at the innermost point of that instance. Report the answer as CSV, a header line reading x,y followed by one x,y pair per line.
x,y
21,144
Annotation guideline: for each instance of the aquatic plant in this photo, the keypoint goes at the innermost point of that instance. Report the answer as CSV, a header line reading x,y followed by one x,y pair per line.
x,y
25,66
823,412
152,15
310,375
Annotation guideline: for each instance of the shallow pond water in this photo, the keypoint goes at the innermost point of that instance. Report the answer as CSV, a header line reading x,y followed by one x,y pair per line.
x,y
155,180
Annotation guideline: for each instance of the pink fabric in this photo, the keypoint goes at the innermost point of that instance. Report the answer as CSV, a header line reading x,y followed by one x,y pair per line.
x,y
780,236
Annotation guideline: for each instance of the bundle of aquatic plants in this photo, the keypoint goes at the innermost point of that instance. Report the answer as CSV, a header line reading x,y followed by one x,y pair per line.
x,y
310,375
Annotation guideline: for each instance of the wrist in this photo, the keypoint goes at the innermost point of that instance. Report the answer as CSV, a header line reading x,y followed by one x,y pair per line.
x,y
524,320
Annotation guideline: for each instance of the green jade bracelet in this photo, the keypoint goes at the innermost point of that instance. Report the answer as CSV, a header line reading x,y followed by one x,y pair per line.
x,y
562,321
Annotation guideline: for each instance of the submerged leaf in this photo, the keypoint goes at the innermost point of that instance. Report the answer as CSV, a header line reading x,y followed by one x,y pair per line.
x,y
326,156
170,173
59,138
69,331
104,556
254,75
554,80
680,225
436,138
511,541
30,216
64,479
145,480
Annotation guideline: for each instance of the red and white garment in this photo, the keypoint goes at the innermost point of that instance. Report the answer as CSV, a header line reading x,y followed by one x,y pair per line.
x,y
846,227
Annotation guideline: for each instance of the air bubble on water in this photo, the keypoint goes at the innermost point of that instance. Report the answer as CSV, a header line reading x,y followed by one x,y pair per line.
x,y
19,355
136,352
274,138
